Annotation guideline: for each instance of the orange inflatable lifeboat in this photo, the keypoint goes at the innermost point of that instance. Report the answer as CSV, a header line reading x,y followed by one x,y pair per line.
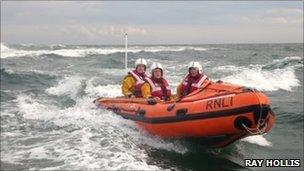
x,y
218,114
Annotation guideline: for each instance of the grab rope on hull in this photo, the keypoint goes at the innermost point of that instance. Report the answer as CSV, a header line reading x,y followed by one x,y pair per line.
x,y
260,129
262,125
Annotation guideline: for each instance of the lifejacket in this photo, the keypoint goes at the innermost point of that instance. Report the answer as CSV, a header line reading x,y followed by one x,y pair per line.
x,y
157,90
201,81
139,82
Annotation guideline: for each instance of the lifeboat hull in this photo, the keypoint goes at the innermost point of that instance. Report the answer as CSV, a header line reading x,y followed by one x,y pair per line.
x,y
219,114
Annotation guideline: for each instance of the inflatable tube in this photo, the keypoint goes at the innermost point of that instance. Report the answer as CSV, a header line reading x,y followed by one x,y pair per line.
x,y
221,111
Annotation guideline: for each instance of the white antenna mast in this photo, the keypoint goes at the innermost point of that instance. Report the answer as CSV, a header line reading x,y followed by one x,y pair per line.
x,y
126,52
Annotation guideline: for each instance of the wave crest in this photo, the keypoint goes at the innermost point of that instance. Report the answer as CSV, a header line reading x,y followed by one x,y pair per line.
x,y
68,86
287,61
276,75
4,48
61,50
284,79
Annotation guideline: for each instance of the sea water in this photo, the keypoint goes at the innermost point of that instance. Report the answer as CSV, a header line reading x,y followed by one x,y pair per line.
x,y
48,120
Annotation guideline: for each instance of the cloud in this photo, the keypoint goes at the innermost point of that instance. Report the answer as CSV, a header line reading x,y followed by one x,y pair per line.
x,y
276,17
285,11
108,30
227,34
70,33
151,22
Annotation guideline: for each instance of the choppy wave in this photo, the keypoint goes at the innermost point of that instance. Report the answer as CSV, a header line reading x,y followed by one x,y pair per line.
x,y
294,61
100,139
274,76
262,77
57,46
28,72
4,48
28,79
68,86
52,124
85,51
102,91
284,79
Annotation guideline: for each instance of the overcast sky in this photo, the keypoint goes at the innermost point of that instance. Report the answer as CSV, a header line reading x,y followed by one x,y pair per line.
x,y
151,22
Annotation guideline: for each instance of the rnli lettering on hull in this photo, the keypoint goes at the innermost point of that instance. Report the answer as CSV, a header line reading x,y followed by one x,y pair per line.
x,y
219,102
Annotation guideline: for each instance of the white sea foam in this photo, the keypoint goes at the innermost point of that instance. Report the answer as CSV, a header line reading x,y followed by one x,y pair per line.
x,y
54,46
67,86
4,48
27,44
82,52
115,72
7,52
167,48
38,153
117,149
267,80
288,59
291,61
32,109
11,134
257,139
103,91
10,71
84,153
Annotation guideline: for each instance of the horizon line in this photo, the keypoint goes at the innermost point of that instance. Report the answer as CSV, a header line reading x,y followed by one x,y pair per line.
x,y
153,44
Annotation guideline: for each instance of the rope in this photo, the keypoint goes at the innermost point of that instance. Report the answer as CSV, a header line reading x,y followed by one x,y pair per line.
x,y
261,122
257,130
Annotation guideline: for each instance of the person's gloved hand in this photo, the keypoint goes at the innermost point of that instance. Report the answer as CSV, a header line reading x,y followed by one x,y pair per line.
x,y
151,101
157,98
130,95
